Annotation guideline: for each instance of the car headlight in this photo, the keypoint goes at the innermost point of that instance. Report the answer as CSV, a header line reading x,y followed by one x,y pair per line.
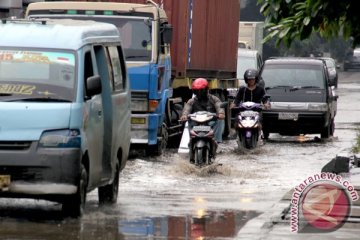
x,y
67,138
318,107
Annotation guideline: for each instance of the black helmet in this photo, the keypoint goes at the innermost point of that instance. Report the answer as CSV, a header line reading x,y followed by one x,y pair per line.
x,y
251,74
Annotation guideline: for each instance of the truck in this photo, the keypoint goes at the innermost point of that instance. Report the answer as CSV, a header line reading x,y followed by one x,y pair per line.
x,y
203,36
251,34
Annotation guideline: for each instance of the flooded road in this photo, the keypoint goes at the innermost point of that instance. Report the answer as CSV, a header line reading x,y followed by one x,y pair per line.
x,y
166,198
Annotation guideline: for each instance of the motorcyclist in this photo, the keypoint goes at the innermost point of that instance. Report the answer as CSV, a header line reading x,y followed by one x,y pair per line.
x,y
204,101
252,92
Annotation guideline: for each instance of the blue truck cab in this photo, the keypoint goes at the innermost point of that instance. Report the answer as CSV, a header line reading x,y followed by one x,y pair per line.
x,y
146,37
64,111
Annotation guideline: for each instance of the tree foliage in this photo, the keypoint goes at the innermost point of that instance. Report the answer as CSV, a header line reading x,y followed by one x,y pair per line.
x,y
287,20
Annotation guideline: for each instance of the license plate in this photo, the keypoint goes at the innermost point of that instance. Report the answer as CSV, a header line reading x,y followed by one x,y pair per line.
x,y
202,128
4,182
288,116
138,120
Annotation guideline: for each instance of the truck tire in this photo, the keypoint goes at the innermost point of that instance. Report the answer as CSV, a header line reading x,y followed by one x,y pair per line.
x,y
159,148
227,120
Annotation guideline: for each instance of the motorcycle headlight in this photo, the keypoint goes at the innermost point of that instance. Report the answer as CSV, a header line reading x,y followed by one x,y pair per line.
x,y
68,138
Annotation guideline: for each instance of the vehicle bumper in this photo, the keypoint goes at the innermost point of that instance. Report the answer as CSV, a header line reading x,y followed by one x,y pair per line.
x,y
306,123
40,171
352,65
144,128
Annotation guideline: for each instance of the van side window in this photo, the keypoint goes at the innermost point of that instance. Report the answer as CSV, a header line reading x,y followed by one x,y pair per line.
x,y
88,66
117,69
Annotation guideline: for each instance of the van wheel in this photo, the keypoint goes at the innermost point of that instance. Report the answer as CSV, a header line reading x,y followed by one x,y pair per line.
x,y
108,194
332,127
265,134
73,206
326,131
159,148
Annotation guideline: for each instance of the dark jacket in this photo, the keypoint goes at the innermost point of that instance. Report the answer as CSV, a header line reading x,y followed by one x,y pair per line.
x,y
246,95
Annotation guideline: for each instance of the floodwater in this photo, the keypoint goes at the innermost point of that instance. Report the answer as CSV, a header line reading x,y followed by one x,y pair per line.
x,y
167,198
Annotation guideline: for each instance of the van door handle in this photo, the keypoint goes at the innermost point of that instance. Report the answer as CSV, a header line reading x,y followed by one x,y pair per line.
x,y
99,113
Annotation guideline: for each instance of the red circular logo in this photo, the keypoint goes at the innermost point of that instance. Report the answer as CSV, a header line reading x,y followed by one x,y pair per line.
x,y
325,206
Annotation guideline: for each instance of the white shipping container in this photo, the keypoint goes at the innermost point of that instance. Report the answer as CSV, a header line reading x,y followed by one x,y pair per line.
x,y
252,33
7,4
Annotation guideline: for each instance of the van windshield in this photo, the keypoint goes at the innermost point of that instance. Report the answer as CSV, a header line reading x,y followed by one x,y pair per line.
x,y
293,75
28,74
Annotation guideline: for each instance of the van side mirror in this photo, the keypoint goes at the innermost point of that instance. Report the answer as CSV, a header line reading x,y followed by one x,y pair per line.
x,y
167,31
93,86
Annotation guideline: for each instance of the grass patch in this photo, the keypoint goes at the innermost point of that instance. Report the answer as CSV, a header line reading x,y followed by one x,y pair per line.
x,y
356,147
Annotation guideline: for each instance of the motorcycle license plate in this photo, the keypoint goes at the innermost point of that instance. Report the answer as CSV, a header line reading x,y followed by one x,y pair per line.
x,y
202,128
288,116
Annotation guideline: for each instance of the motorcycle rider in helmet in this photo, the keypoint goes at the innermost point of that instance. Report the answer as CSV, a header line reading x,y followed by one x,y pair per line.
x,y
204,101
252,92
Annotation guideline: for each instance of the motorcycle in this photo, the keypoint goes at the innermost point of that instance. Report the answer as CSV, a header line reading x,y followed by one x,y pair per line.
x,y
202,146
248,124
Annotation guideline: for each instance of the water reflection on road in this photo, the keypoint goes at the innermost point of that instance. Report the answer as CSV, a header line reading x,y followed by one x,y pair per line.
x,y
106,224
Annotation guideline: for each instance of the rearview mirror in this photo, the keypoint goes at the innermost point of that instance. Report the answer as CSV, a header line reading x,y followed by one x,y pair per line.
x,y
167,30
93,86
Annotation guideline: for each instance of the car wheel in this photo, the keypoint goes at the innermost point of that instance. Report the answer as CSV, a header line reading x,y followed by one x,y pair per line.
x,y
108,194
74,205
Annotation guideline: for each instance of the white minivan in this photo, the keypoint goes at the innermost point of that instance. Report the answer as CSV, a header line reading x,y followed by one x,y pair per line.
x,y
64,111
246,59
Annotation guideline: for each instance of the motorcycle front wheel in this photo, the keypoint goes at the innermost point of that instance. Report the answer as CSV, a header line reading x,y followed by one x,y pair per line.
x,y
201,156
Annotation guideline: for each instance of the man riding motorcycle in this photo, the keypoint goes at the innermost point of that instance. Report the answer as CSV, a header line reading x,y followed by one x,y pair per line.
x,y
252,92
204,101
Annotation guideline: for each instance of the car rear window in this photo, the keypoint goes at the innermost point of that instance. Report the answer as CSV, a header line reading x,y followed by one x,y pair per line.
x,y
293,75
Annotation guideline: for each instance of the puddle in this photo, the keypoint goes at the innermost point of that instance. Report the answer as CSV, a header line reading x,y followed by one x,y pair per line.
x,y
108,223
200,225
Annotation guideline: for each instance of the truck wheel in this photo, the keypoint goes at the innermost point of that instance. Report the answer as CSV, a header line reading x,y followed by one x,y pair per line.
x,y
227,120
159,148
108,194
73,206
